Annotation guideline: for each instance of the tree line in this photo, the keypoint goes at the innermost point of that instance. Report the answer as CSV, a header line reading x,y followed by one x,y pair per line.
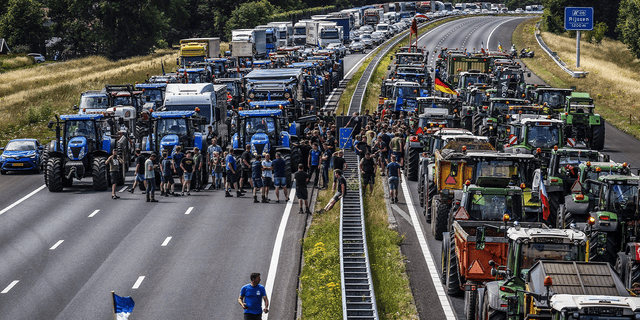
x,y
123,28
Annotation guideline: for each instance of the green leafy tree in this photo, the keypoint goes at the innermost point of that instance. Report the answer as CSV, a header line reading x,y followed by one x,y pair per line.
x,y
249,15
23,25
629,25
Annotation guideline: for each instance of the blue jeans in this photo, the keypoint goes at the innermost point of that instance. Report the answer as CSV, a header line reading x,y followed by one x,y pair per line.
x,y
151,185
217,176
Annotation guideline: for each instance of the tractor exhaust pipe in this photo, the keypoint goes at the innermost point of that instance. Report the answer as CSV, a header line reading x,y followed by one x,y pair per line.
x,y
72,173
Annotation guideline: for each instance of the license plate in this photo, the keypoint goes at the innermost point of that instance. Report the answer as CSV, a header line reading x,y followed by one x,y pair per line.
x,y
18,164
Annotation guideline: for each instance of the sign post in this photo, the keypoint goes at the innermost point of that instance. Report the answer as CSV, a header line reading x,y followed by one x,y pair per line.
x,y
578,19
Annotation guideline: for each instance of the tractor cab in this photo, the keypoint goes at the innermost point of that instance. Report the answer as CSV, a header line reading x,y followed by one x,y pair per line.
x,y
265,130
175,128
553,98
152,95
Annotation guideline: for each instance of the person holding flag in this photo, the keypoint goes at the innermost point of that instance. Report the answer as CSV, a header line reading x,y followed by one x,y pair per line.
x,y
442,86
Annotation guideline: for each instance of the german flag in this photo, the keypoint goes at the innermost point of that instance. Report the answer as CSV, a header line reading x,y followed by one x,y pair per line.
x,y
444,87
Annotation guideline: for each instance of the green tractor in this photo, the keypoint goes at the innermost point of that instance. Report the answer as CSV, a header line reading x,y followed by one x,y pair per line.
x,y
535,135
581,123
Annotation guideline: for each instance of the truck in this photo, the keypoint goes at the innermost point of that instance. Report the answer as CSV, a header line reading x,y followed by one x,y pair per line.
x,y
197,50
271,37
321,33
248,43
284,30
371,17
345,23
300,33
208,100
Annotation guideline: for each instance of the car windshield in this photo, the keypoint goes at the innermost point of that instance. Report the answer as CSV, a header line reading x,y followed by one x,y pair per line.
x,y
543,136
534,252
623,198
492,207
20,146
260,125
93,102
406,92
172,126
80,128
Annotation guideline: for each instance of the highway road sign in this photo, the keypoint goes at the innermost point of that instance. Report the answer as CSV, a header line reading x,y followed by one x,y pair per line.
x,y
578,18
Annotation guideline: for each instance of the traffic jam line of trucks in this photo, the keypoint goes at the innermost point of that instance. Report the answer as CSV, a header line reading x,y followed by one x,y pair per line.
x,y
535,221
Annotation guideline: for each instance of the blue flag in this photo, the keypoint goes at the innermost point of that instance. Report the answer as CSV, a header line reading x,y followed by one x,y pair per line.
x,y
123,306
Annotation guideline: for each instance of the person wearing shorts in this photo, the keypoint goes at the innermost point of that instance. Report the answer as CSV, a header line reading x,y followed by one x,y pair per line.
x,y
280,176
231,175
187,166
114,162
139,173
340,193
301,178
267,176
395,178
256,177
368,167
167,174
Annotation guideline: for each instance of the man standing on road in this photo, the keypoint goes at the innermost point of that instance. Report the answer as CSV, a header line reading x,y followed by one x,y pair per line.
x,y
314,163
301,179
150,177
382,153
251,297
211,161
256,176
139,174
245,161
187,166
395,178
167,172
114,162
231,175
267,176
368,167
197,169
280,176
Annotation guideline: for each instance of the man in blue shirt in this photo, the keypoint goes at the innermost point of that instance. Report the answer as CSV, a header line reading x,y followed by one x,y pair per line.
x,y
395,178
256,176
251,296
314,163
231,175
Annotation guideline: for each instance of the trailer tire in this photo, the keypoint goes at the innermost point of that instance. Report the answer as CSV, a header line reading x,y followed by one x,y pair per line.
x,y
444,253
412,164
99,172
554,205
470,301
597,136
54,174
610,254
467,122
453,275
441,219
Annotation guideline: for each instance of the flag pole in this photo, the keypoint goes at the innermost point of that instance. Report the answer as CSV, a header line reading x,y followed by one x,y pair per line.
x,y
113,299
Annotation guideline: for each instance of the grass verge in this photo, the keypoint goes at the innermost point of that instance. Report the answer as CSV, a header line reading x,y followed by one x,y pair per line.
x,y
613,81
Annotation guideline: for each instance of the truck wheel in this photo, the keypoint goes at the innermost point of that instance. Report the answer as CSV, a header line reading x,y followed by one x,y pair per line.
x,y
123,152
488,313
412,164
453,279
287,168
295,158
597,137
54,174
99,172
610,255
554,204
441,220
470,301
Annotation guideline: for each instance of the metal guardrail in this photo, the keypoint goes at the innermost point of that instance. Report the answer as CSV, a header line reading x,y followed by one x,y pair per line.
x,y
358,297
556,59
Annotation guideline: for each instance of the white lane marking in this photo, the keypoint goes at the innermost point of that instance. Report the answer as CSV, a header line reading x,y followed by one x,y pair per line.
x,y
56,245
189,210
275,256
207,186
494,29
23,199
93,213
10,286
138,283
402,213
428,257
166,242
123,189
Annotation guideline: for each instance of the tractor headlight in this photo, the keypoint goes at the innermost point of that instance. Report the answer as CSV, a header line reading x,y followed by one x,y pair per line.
x,y
252,95
82,153
69,153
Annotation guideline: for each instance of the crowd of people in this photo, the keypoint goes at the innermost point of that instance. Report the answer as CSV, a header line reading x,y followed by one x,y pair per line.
x,y
378,138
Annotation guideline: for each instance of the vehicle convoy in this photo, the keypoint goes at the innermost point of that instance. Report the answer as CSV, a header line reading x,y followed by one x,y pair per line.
x,y
80,150
266,131
537,135
581,123
473,247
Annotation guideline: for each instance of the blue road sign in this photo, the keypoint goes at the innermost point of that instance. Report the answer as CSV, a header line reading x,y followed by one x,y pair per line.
x,y
576,18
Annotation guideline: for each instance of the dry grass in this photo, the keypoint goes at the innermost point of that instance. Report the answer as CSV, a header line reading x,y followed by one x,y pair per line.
x,y
613,80
16,62
56,88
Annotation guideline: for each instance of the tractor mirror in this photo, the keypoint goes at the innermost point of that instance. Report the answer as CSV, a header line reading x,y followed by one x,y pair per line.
x,y
480,238
75,107
50,124
494,271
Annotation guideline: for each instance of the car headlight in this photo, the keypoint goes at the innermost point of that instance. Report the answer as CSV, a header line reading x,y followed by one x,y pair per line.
x,y
32,156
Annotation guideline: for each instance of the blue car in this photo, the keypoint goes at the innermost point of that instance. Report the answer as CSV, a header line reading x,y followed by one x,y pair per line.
x,y
21,155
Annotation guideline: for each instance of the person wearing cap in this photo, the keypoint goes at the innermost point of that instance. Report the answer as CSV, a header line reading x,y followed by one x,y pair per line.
x,y
150,177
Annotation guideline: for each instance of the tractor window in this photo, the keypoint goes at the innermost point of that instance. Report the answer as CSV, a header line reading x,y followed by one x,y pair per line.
x,y
152,95
553,99
623,198
493,207
406,92
122,101
232,89
496,169
534,252
543,136
100,102
80,128
172,126
260,125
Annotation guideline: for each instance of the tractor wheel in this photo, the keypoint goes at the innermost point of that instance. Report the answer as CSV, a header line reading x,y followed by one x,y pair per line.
x,y
295,158
287,168
44,157
3,172
54,174
470,301
467,122
561,220
597,137
452,284
99,172
610,254
484,131
554,204
476,123
123,152
441,219
412,164
444,257
488,313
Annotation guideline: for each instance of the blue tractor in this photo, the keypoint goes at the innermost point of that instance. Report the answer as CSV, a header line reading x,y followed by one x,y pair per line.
x,y
267,131
82,145
172,129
